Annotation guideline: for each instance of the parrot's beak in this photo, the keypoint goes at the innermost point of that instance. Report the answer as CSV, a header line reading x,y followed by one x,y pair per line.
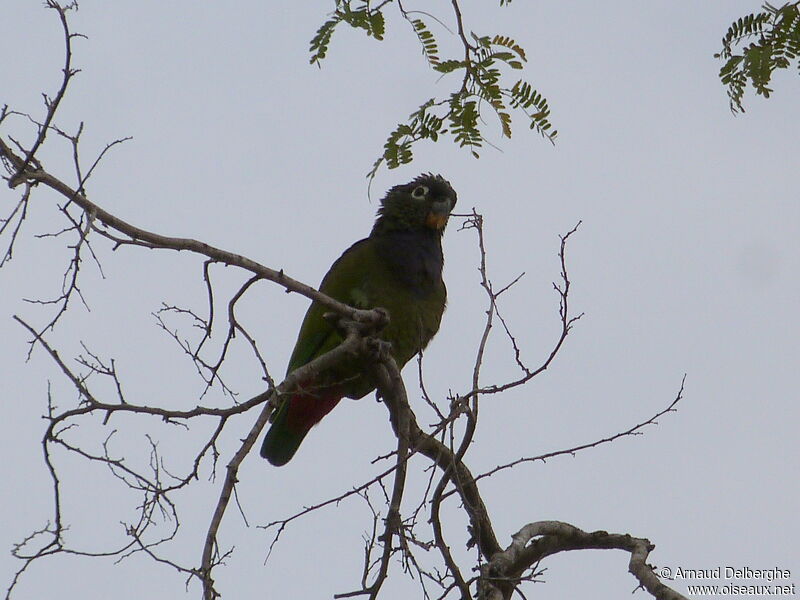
x,y
438,215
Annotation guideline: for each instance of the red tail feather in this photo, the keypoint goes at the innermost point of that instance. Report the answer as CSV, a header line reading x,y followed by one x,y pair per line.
x,y
294,420
308,409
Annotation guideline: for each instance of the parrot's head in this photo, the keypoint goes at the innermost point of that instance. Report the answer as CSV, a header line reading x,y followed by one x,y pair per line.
x,y
424,203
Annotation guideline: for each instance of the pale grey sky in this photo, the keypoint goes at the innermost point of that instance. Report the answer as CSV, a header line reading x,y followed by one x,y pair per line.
x,y
687,262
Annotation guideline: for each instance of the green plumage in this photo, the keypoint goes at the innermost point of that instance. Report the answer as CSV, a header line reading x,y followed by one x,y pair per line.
x,y
399,268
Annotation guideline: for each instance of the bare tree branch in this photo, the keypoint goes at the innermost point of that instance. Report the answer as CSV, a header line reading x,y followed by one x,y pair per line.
x,y
499,576
51,104
143,237
635,430
567,321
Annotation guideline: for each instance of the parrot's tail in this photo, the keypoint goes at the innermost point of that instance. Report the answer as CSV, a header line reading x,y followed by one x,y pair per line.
x,y
295,418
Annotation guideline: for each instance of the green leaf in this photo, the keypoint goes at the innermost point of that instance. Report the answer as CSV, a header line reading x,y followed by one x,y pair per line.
x,y
321,40
448,66
377,24
777,45
507,42
430,48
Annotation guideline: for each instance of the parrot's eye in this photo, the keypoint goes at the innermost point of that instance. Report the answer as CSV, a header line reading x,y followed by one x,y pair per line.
x,y
420,192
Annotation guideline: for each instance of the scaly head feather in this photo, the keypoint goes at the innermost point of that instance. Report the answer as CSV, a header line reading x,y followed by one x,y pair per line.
x,y
424,203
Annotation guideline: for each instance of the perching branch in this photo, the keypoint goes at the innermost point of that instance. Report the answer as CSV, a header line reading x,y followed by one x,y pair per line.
x,y
211,554
141,237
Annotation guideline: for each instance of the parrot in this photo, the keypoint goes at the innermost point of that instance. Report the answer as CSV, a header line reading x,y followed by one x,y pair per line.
x,y
398,267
